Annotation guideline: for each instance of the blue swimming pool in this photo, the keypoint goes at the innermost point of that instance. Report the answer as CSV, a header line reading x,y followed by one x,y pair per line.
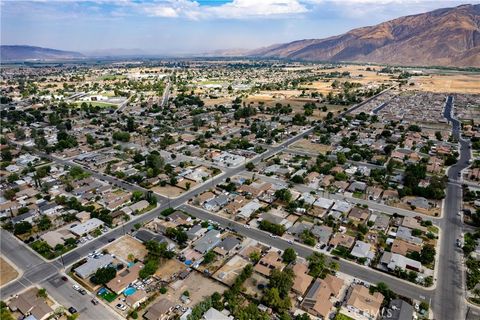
x,y
129,291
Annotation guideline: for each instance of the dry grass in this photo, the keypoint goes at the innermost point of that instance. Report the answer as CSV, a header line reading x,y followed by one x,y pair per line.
x,y
7,272
230,270
127,245
168,268
197,285
460,83
307,146
168,191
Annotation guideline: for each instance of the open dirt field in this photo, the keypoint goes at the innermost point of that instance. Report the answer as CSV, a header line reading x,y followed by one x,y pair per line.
x,y
251,285
168,191
168,268
230,270
461,83
197,285
307,146
125,246
7,272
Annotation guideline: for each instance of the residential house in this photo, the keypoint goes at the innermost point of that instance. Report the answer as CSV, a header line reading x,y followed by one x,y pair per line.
x,y
29,303
124,278
360,301
302,278
317,300
159,310
272,260
209,241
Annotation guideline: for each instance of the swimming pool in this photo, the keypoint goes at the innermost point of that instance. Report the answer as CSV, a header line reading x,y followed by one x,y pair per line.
x,y
129,291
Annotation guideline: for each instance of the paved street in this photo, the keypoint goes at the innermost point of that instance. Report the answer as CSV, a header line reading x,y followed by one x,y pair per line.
x,y
450,279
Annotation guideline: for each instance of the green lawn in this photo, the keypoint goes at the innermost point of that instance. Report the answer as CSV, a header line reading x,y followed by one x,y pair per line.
x,y
97,104
108,296
341,316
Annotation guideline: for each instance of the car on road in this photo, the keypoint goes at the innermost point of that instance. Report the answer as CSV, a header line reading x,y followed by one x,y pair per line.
x,y
95,302
83,292
459,213
64,278
121,306
72,310
246,226
290,241
111,239
76,288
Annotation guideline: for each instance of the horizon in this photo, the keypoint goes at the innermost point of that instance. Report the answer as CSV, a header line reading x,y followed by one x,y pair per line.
x,y
186,27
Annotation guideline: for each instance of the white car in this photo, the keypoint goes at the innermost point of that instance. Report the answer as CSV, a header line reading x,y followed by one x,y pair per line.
x,y
75,287
121,306
246,226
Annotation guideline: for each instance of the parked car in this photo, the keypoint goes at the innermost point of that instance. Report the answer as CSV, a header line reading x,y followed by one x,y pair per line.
x,y
64,278
83,292
72,310
76,288
121,306
95,302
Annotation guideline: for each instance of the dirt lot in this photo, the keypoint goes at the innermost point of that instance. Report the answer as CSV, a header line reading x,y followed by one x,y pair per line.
x,y
461,83
251,285
168,191
169,268
125,246
197,285
229,271
306,145
7,272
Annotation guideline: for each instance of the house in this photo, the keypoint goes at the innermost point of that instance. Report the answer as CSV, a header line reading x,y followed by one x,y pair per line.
x,y
159,310
139,206
204,197
214,314
362,250
403,247
361,302
272,260
358,214
229,243
357,186
196,231
92,265
209,241
393,261
398,310
412,223
216,203
317,300
86,227
302,278
125,278
29,303
374,193
380,222
343,240
420,202
323,233
406,234
134,300
247,210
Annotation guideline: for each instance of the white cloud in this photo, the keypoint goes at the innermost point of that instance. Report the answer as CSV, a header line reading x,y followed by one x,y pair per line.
x,y
237,9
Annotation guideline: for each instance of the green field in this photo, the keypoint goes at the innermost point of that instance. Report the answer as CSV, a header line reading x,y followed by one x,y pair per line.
x,y
97,104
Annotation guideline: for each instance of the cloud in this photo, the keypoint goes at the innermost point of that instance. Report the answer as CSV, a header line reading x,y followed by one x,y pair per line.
x,y
237,9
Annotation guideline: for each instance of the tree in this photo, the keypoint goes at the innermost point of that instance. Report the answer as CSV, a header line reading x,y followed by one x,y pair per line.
x,y
283,195
316,264
42,293
104,275
250,166
44,223
282,280
289,255
22,227
255,256
208,257
427,255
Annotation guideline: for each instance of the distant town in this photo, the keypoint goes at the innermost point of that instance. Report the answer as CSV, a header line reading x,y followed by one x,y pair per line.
x,y
212,189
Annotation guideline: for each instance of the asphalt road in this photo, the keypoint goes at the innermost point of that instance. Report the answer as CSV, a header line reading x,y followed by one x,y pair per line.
x,y
449,301
364,273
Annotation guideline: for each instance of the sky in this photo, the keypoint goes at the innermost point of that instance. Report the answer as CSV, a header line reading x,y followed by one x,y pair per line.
x,y
173,27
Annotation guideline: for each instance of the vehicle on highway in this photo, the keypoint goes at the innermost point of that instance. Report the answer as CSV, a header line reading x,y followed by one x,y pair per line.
x,y
121,306
76,288
72,310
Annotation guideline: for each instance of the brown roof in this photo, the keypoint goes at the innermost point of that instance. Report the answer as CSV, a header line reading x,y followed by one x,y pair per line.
x,y
124,278
403,247
361,299
343,240
157,310
302,278
358,213
29,302
270,261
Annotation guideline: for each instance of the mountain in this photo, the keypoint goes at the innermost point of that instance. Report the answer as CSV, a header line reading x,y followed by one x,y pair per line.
x,y
444,37
20,53
117,52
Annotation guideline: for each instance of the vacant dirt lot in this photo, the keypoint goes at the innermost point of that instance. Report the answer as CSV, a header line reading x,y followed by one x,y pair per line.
x,y
307,146
125,246
229,271
7,272
197,285
168,191
168,268
468,83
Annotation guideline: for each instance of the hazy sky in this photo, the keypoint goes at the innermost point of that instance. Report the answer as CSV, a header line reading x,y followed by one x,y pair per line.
x,y
186,26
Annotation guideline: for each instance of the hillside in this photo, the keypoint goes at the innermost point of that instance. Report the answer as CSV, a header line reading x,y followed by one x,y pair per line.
x,y
21,53
444,37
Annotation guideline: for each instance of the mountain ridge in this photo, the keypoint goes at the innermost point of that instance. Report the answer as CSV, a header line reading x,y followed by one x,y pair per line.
x,y
26,52
445,37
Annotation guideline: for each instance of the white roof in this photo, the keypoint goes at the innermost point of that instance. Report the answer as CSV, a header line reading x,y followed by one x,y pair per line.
x,y
86,227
